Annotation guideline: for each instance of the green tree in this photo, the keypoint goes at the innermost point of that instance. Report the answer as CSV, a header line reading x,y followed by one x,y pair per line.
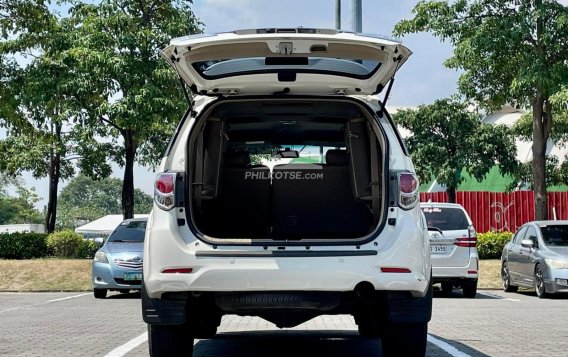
x,y
523,174
14,210
135,97
19,209
554,171
21,16
510,51
85,199
446,138
40,119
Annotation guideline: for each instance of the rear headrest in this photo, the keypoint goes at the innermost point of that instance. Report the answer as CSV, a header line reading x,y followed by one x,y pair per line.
x,y
337,157
237,159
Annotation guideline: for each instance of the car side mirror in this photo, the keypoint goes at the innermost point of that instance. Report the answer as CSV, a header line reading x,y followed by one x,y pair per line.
x,y
527,243
99,241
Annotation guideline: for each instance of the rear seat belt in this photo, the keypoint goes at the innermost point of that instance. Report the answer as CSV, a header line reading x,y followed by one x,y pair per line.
x,y
198,184
375,183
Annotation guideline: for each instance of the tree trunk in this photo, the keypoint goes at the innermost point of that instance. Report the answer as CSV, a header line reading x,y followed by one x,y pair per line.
x,y
454,187
451,194
54,176
539,159
128,182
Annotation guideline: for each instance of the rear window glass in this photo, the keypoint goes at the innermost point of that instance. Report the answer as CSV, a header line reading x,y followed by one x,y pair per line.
x,y
264,154
131,232
355,68
556,236
445,219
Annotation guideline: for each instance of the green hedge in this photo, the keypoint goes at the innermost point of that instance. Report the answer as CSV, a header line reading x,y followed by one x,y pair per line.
x,y
490,245
23,245
88,249
65,244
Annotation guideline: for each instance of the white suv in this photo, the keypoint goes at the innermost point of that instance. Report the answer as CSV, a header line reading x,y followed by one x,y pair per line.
x,y
286,193
453,244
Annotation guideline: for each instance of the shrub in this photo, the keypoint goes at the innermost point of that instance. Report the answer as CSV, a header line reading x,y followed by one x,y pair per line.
x,y
65,244
23,245
490,245
88,249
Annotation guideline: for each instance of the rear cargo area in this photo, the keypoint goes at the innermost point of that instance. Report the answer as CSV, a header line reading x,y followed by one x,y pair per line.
x,y
286,170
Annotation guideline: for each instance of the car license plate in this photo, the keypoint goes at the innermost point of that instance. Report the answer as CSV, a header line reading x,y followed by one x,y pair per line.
x,y
438,249
132,275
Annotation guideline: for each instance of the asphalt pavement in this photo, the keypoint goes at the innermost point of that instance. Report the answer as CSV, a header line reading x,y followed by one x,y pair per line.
x,y
76,324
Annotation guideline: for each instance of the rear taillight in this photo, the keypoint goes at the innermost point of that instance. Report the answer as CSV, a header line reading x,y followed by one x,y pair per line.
x,y
164,190
408,190
470,242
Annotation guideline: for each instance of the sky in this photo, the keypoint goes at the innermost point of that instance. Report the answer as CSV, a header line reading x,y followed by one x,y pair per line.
x,y
421,80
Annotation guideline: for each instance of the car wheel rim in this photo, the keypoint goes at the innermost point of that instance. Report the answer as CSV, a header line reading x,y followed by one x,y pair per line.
x,y
539,281
505,274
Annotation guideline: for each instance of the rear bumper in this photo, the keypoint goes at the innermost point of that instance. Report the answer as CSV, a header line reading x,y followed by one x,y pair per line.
x,y
470,271
228,268
288,274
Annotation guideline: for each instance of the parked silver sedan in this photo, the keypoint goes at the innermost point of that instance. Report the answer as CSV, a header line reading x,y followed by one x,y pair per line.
x,y
537,257
118,264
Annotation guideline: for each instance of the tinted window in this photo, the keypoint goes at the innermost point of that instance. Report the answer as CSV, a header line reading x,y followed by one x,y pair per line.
x,y
520,235
555,236
261,153
531,235
445,219
356,68
131,232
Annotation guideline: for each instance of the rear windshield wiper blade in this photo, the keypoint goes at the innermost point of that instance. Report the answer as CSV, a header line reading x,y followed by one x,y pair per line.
x,y
435,229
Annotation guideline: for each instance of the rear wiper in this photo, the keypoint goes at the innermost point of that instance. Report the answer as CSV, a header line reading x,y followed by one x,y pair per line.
x,y
123,241
435,229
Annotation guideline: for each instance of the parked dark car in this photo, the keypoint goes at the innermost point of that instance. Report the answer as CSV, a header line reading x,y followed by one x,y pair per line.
x,y
537,256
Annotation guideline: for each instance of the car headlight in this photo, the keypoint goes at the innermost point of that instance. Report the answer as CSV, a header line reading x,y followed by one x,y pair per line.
x,y
101,257
557,264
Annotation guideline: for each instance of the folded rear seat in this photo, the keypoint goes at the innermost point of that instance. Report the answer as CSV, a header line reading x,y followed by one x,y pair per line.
x,y
243,208
316,201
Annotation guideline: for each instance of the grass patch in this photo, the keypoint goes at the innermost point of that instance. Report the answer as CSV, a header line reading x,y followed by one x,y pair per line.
x,y
52,274
490,274
48,274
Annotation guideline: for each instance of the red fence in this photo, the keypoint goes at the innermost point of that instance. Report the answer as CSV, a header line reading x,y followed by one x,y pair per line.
x,y
502,211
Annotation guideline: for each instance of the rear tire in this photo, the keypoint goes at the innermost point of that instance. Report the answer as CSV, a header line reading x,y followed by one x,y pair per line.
x,y
470,288
506,278
100,293
169,340
405,339
447,288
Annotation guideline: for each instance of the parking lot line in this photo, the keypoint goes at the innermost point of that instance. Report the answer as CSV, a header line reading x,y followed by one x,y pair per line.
x,y
122,350
451,350
128,346
499,297
70,297
43,303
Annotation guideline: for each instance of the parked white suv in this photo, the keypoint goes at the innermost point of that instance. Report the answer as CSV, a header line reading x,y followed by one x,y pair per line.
x,y
286,193
453,244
